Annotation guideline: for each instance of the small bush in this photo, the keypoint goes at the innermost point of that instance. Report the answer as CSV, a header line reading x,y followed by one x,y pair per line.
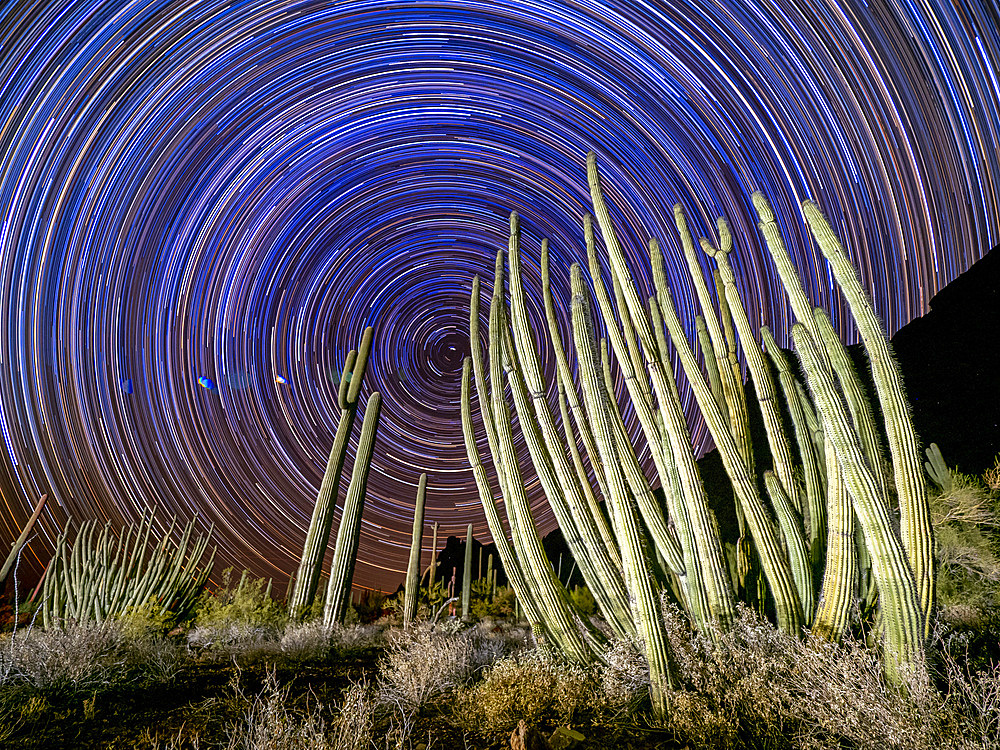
x,y
85,658
247,603
534,686
268,723
426,662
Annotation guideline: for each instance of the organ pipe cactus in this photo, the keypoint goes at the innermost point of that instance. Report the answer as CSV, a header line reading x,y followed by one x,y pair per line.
x,y
796,517
413,568
345,551
103,575
318,535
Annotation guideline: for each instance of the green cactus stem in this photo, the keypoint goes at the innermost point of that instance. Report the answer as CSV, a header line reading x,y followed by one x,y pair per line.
x,y
413,567
345,551
318,535
467,575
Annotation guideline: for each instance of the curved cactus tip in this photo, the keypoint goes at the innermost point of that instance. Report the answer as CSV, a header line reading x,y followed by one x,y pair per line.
x,y
762,206
709,249
725,235
591,159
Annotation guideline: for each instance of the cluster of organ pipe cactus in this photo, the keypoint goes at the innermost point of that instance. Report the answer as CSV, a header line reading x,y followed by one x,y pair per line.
x,y
103,575
318,536
817,527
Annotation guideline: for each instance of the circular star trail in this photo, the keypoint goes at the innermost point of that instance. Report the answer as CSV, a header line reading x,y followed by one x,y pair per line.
x,y
204,204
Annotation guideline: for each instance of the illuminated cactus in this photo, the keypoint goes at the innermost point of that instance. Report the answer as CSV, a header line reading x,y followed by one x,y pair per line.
x,y
345,551
467,575
416,543
318,536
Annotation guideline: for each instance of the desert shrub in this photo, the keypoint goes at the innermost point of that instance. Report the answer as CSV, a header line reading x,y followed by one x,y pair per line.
x,y
316,641
247,602
755,687
535,686
426,662
966,518
84,658
624,677
269,723
502,606
145,622
239,618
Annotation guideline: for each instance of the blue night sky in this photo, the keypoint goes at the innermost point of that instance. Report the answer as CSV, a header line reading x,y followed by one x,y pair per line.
x,y
204,203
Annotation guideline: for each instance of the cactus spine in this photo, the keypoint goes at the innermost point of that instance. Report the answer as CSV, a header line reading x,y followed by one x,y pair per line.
x,y
318,535
348,533
413,567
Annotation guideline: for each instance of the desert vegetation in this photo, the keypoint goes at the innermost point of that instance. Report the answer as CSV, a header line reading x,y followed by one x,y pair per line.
x,y
853,602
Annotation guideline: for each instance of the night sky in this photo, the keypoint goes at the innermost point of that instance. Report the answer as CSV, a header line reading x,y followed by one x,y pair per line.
x,y
205,203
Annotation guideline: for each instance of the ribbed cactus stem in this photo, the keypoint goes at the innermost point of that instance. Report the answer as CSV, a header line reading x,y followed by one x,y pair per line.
x,y
911,489
815,500
345,551
840,578
467,575
413,567
559,481
901,611
649,622
511,564
318,535
773,559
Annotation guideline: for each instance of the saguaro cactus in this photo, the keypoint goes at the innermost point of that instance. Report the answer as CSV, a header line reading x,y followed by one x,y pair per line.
x,y
346,550
413,568
467,575
318,536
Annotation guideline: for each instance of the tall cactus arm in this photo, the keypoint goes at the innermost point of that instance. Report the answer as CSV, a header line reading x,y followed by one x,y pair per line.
x,y
467,575
552,598
413,567
815,500
840,578
858,404
781,453
568,389
345,552
901,611
578,527
795,542
559,480
732,382
775,563
917,531
649,622
511,564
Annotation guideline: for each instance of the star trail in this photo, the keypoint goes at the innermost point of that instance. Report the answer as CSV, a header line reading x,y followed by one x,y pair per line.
x,y
205,203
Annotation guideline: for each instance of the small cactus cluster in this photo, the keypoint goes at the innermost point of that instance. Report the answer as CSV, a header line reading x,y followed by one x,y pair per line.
x,y
307,579
104,575
817,528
